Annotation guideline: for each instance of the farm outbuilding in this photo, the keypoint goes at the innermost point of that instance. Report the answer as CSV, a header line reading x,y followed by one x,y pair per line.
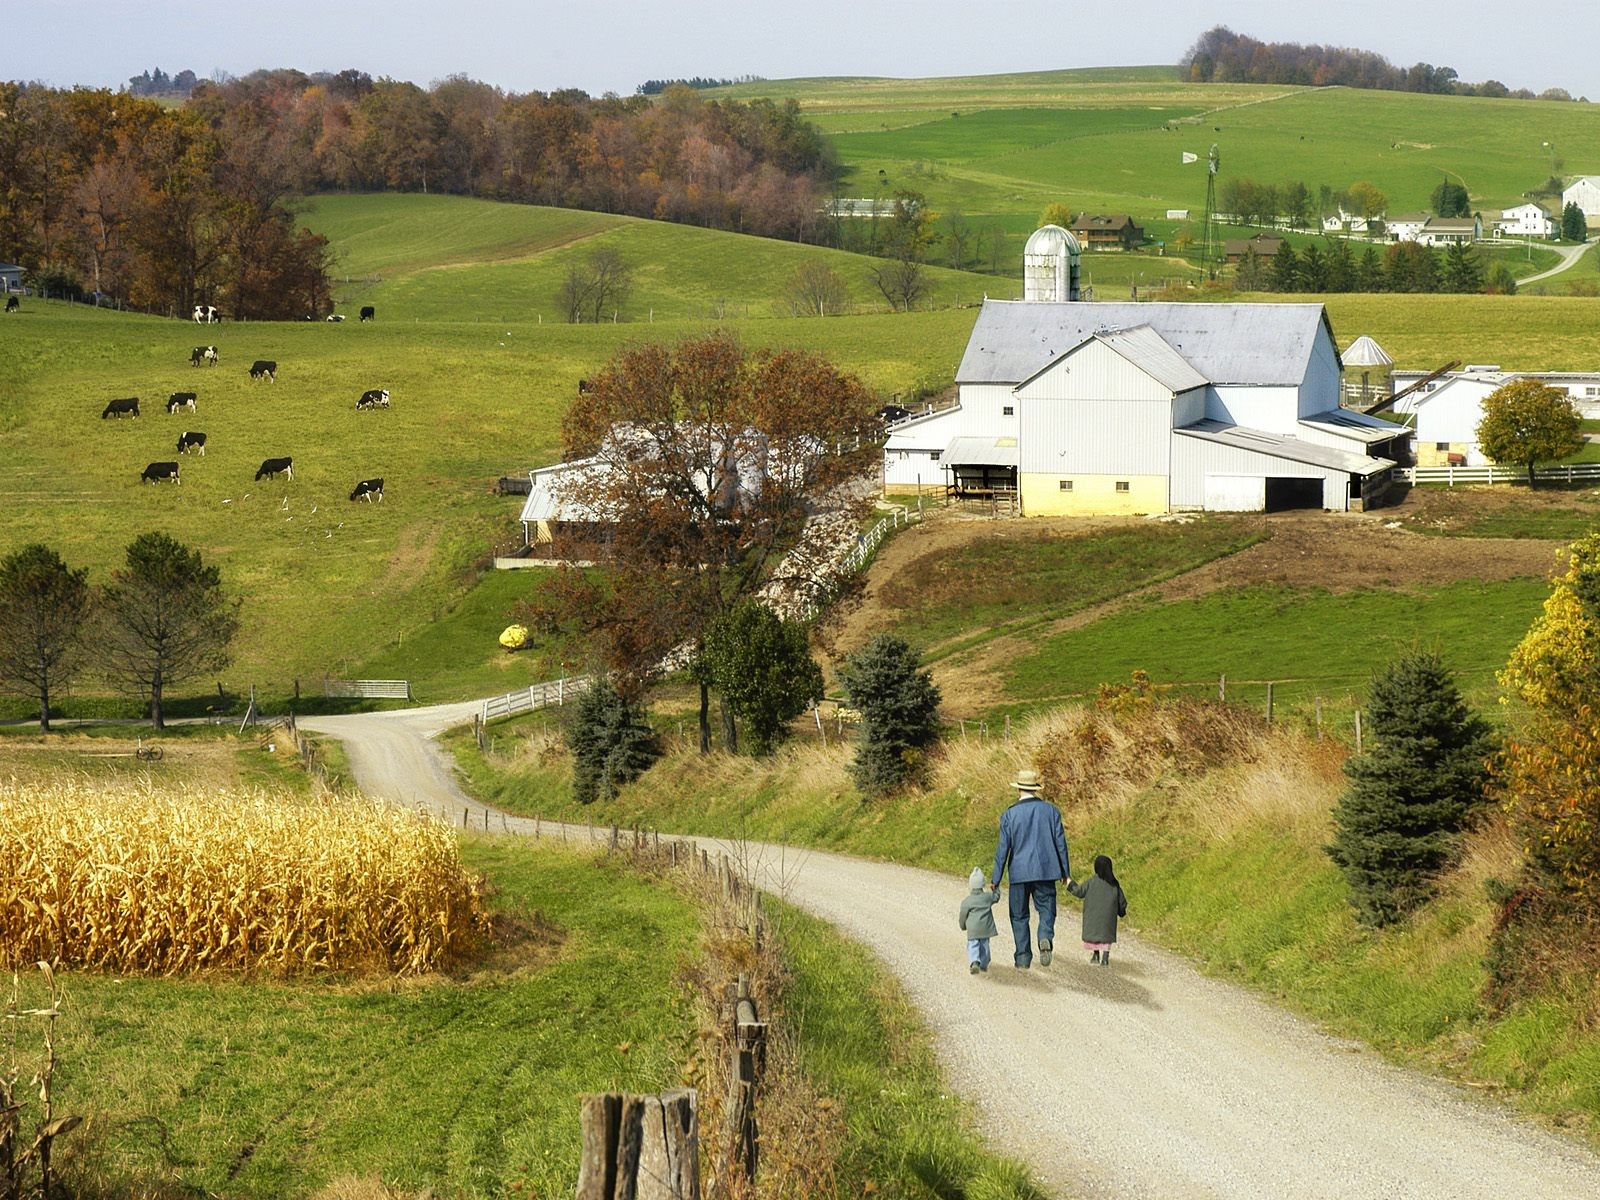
x,y
1584,191
1069,408
10,277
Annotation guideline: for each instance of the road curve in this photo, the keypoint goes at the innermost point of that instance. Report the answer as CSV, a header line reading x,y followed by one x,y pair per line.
x,y
1144,1080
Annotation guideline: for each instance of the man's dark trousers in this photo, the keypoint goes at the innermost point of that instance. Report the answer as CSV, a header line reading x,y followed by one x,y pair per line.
x,y
1043,894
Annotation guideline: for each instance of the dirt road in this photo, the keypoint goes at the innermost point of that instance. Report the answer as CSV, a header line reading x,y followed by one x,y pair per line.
x,y
1144,1080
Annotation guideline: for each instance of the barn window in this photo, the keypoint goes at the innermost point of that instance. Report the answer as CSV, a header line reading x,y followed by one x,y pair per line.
x,y
1122,485
1441,445
1066,485
1009,410
936,455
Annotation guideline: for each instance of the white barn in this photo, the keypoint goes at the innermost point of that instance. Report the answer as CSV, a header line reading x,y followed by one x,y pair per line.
x,y
1446,419
1584,191
1581,387
1147,408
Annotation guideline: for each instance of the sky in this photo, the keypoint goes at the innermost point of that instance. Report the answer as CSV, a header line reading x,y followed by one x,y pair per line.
x,y
613,45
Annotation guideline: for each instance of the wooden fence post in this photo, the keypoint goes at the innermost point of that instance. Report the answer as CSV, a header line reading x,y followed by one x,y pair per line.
x,y
1222,688
1358,731
1269,704
749,1061
1319,718
640,1147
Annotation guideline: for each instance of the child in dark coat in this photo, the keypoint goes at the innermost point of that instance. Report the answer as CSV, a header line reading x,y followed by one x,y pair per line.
x,y
976,917
1103,903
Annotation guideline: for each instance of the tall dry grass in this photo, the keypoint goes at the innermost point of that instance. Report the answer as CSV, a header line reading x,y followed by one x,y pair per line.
x,y
129,876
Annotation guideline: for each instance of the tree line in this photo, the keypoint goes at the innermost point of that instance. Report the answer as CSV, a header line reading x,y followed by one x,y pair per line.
x,y
1401,267
159,83
654,87
1222,56
158,207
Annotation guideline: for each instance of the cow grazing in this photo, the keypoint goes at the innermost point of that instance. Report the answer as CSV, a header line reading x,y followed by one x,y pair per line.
x,y
373,398
203,354
334,318
156,472
368,490
122,408
13,304
264,368
272,467
188,441
206,314
368,313
180,400
583,387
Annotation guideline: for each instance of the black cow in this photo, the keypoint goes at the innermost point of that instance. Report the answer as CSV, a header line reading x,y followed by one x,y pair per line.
x,y
180,400
264,368
156,472
272,466
118,408
367,489
890,413
368,313
583,387
203,354
13,304
374,398
188,441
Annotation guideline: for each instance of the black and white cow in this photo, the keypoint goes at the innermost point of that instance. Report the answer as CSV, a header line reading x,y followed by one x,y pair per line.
x,y
272,467
188,441
583,387
368,490
122,408
264,368
13,304
334,318
203,354
156,472
373,398
890,413
368,313
206,314
180,400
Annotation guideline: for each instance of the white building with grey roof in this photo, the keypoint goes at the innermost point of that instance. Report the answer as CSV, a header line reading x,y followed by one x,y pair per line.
x,y
1147,408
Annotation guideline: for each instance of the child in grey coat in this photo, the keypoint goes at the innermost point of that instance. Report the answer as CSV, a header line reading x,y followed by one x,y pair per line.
x,y
1103,902
976,917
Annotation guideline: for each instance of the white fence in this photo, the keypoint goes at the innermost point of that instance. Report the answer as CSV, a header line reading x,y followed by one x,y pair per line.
x,y
538,695
1567,473
368,689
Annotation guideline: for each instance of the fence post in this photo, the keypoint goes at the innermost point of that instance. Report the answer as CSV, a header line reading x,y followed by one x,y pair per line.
x,y
749,1059
1319,718
1222,688
1358,731
1269,703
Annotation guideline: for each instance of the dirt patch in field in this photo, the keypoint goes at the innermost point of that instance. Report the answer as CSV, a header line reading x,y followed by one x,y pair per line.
x,y
410,560
1337,553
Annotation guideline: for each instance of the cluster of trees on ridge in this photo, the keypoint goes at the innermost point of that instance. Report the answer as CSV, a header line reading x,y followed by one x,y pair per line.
x,y
159,83
654,87
158,207
1222,56
1401,267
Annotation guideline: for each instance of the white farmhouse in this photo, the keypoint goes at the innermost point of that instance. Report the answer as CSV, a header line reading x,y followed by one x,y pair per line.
x,y
1525,220
1447,414
1406,228
1581,387
1446,231
1584,191
1077,408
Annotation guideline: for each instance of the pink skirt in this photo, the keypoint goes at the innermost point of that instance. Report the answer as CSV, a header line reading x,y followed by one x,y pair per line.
x,y
1101,947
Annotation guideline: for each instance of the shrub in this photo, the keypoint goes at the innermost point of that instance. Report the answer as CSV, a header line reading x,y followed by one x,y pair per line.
x,y
1411,793
611,743
899,706
123,877
763,669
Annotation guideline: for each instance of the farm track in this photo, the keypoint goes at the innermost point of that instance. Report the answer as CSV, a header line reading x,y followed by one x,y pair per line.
x,y
1217,1094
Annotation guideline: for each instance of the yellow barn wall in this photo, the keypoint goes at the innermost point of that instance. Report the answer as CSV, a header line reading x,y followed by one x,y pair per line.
x,y
1092,495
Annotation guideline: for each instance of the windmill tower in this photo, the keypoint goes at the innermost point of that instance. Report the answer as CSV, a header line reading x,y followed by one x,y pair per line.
x,y
1212,162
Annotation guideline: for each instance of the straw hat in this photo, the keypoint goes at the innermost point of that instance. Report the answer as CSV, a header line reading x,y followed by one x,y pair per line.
x,y
1027,781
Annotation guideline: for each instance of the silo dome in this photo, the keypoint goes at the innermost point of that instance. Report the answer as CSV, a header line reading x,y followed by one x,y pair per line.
x,y
1050,265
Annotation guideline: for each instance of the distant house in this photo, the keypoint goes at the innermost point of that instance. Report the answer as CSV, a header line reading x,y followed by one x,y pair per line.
x,y
1349,222
10,277
1098,231
1265,245
1525,220
1581,387
1584,191
1405,228
1450,231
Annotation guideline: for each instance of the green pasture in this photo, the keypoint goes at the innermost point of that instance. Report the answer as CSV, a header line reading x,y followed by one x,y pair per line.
x,y
447,258
464,1085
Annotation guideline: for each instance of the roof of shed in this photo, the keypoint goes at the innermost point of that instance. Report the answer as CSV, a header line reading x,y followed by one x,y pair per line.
x,y
1278,446
1267,344
1358,426
981,452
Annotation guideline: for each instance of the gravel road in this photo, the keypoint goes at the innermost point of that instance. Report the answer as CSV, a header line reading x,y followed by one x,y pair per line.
x,y
1144,1080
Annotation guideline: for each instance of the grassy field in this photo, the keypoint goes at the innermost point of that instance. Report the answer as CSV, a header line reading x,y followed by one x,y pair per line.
x,y
1001,147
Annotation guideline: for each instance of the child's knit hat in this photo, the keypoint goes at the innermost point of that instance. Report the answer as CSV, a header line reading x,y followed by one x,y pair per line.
x,y
975,880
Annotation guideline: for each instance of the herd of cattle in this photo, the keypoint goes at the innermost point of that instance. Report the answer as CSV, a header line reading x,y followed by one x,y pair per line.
x,y
191,441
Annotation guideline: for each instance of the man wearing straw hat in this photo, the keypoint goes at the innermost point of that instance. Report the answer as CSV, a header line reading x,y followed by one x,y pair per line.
x,y
1034,846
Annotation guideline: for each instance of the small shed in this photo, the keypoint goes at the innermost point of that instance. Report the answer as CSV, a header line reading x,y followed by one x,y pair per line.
x,y
1367,377
10,277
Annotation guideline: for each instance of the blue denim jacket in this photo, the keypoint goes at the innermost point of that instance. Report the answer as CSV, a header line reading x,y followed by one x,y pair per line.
x,y
1032,842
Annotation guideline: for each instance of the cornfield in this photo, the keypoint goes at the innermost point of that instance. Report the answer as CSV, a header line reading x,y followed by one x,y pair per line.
x,y
129,877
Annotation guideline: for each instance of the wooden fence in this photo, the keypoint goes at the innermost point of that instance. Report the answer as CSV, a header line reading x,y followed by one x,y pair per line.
x,y
1563,473
538,695
368,689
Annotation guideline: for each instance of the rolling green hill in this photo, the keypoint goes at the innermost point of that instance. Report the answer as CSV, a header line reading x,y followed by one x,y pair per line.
x,y
1003,146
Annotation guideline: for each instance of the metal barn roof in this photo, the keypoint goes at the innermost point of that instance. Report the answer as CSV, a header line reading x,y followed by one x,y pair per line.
x,y
1279,446
1370,430
1364,352
1146,349
981,452
1266,344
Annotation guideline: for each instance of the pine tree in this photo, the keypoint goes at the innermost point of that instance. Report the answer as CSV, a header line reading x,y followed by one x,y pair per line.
x,y
611,743
1285,269
1369,272
1574,225
1411,793
899,707
1463,270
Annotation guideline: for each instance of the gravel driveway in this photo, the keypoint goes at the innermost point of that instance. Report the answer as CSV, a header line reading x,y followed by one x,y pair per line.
x,y
1144,1080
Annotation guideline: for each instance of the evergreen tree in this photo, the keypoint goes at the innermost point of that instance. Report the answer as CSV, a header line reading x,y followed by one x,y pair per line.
x,y
1252,273
1369,272
1411,793
1463,270
1285,269
1574,226
1313,270
611,743
899,707
1341,266
763,669
1451,200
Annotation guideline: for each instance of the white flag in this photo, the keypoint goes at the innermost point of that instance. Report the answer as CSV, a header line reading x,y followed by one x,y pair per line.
x,y
1189,158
